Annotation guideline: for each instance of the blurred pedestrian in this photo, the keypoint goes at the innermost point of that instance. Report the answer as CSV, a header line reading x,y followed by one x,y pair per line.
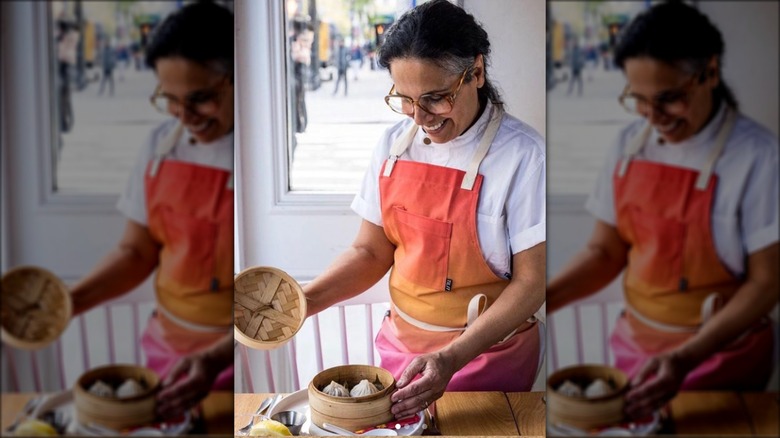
x,y
342,63
108,62
576,62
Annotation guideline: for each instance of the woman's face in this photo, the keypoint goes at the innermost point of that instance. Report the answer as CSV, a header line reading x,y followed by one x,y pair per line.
x,y
676,103
198,96
416,77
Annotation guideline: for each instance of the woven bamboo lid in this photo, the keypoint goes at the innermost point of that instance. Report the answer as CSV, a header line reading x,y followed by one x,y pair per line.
x,y
36,307
269,307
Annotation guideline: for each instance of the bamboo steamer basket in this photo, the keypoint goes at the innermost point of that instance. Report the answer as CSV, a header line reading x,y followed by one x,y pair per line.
x,y
268,307
352,413
36,307
116,413
581,412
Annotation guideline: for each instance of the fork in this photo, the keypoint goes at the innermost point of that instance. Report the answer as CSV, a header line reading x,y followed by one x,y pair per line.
x,y
265,406
28,409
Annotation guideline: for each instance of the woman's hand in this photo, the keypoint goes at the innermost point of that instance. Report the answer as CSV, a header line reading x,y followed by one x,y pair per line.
x,y
186,385
435,370
192,377
657,382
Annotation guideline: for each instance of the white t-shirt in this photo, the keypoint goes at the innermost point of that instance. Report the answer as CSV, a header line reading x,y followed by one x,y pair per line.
x,y
745,211
219,154
511,208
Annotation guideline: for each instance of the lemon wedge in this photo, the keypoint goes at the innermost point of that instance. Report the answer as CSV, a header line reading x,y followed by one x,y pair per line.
x,y
269,428
34,428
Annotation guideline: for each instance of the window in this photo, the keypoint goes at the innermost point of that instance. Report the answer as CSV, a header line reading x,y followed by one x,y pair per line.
x,y
336,111
100,91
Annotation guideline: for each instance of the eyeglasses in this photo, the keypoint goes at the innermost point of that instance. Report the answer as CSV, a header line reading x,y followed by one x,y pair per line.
x,y
199,102
433,103
670,102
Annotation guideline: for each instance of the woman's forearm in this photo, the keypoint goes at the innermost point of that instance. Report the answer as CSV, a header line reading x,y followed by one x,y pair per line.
x,y
364,263
522,297
754,300
592,269
121,270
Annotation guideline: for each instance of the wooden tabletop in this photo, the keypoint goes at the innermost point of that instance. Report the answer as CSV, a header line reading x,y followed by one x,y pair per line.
x,y
461,413
217,411
725,413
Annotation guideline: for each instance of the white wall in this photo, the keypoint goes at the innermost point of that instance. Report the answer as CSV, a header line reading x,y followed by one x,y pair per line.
x,y
517,36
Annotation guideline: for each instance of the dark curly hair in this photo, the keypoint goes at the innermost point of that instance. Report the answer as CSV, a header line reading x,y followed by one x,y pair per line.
x,y
200,32
678,35
443,33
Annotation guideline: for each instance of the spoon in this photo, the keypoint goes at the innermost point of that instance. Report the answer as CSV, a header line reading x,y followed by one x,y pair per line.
x,y
268,402
372,432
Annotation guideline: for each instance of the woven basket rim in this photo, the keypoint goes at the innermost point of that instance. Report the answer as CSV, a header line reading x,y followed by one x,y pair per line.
x,y
60,324
257,342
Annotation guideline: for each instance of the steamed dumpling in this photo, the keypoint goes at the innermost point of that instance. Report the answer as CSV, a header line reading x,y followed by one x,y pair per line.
x,y
101,389
597,388
363,388
336,390
571,389
129,388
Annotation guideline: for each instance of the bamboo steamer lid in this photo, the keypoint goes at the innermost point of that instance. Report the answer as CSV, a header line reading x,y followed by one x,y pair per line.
x,y
269,307
36,307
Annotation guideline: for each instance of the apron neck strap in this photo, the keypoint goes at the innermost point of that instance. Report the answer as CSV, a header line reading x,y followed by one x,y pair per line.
x,y
720,144
400,146
403,142
496,114
638,142
165,147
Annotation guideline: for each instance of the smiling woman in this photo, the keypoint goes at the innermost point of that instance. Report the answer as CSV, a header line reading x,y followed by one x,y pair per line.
x,y
686,209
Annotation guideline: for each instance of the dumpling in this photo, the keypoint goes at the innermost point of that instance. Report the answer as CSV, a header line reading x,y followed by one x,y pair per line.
x,y
597,388
336,390
101,389
129,388
571,389
363,388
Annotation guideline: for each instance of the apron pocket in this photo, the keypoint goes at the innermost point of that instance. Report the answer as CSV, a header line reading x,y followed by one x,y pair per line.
x,y
656,256
187,261
422,256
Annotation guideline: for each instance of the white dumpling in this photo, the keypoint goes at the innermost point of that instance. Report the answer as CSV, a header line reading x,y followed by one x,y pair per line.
x,y
597,388
336,390
571,389
101,389
129,388
363,388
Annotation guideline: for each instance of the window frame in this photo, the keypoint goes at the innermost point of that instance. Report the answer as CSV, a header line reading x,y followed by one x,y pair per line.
x,y
46,137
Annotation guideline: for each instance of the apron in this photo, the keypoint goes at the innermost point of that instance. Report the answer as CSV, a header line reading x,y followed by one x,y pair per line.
x,y
191,216
440,282
674,280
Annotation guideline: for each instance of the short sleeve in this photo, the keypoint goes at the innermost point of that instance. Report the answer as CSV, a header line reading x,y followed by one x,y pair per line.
x,y
601,201
526,205
367,202
132,201
759,206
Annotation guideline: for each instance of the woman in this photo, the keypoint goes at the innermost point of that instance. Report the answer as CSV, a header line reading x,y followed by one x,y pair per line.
x,y
179,205
466,249
688,207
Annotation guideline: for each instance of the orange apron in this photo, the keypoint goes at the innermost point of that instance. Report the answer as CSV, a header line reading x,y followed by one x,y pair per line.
x,y
440,281
674,280
190,214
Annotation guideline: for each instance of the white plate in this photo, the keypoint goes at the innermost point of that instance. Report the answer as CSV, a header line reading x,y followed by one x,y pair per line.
x,y
63,402
642,429
299,401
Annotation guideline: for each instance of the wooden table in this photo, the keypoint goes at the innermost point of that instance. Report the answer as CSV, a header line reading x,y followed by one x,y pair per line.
x,y
462,413
217,411
725,413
